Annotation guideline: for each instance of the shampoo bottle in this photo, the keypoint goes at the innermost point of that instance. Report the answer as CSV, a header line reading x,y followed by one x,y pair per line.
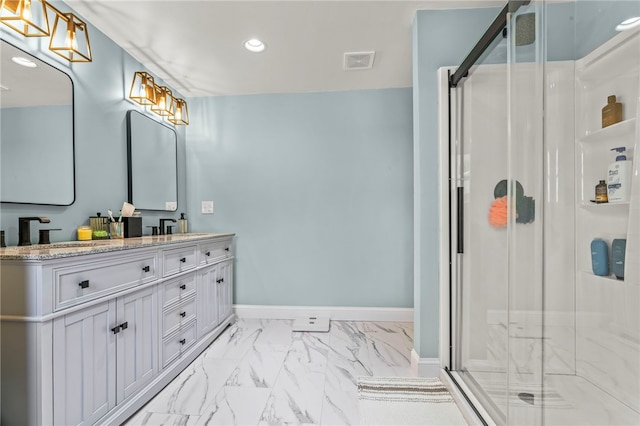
x,y
619,177
182,224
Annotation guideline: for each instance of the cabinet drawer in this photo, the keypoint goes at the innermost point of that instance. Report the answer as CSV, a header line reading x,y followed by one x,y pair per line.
x,y
215,251
175,344
179,260
178,289
174,318
90,280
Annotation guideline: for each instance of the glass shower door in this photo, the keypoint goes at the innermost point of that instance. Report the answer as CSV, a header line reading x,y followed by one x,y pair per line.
x,y
480,156
498,144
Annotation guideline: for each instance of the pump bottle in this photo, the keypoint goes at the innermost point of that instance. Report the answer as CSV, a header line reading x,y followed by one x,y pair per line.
x,y
619,177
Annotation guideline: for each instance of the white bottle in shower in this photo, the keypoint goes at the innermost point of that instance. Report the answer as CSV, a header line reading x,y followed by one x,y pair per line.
x,y
619,177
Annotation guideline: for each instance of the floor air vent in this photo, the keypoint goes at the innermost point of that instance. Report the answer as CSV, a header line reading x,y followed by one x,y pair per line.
x,y
358,60
317,324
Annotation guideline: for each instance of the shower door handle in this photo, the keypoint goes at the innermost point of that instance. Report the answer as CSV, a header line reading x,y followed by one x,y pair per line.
x,y
460,219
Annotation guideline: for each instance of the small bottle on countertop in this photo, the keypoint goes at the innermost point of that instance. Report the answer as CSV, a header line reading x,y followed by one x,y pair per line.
x,y
182,224
601,192
612,112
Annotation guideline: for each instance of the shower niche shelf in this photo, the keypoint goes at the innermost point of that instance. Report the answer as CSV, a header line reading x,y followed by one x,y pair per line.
x,y
609,207
608,279
622,130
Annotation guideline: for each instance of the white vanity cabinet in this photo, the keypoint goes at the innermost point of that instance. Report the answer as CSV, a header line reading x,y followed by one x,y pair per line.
x,y
89,335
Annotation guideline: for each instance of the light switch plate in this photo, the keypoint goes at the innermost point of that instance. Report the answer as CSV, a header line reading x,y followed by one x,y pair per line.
x,y
171,206
207,207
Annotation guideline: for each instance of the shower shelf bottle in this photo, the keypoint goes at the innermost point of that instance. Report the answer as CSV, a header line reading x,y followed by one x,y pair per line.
x,y
612,112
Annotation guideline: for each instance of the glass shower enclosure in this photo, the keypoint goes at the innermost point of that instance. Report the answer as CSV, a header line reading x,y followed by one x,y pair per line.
x,y
538,336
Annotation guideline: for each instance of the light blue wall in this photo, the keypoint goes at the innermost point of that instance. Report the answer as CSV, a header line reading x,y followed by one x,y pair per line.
x,y
318,188
440,38
100,137
597,19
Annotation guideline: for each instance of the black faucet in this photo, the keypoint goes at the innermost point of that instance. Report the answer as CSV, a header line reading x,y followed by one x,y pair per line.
x,y
162,221
24,229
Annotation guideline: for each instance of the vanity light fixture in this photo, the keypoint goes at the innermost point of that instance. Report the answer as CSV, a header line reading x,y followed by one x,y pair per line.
x,y
69,38
143,89
164,101
160,99
180,115
28,17
254,45
628,24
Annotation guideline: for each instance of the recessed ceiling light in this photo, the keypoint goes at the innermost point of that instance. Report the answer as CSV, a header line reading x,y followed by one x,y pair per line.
x,y
23,61
628,24
254,45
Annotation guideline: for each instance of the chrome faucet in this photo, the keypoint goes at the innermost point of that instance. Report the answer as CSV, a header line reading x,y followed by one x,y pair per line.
x,y
24,229
162,221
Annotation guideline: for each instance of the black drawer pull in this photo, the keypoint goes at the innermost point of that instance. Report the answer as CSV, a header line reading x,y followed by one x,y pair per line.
x,y
116,329
226,249
208,253
183,314
183,259
84,284
183,341
183,287
219,280
124,325
146,269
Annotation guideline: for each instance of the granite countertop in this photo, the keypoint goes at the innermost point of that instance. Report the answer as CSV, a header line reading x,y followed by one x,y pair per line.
x,y
79,248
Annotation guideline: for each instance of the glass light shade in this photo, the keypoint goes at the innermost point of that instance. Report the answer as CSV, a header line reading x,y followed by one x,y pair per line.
x,y
164,101
28,17
70,39
180,115
143,89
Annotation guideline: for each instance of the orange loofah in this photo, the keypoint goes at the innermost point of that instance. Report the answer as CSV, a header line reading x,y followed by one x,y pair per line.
x,y
498,212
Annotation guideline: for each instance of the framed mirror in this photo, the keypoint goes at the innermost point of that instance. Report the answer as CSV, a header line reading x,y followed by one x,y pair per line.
x,y
36,131
152,150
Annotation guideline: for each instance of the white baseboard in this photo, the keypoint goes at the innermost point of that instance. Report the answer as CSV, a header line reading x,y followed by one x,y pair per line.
x,y
424,367
336,313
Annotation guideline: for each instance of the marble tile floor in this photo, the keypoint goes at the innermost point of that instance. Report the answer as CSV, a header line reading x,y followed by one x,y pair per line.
x,y
261,372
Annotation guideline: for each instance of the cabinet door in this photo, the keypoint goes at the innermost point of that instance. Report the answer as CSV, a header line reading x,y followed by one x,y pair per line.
x,y
225,290
207,316
84,357
137,341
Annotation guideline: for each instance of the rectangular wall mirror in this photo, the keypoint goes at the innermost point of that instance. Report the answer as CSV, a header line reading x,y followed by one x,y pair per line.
x,y
36,131
152,162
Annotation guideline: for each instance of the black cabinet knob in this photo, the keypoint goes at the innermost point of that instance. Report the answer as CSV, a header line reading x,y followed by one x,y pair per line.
x,y
116,329
146,269
183,341
226,249
84,284
208,253
183,314
218,280
183,287
221,280
183,259
124,325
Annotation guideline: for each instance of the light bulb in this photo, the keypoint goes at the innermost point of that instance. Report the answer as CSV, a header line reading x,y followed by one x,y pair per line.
x,y
26,11
70,41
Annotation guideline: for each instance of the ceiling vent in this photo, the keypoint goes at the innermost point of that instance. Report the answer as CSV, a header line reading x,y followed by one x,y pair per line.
x,y
358,60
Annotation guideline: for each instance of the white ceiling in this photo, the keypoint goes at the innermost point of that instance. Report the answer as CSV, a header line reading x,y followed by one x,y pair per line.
x,y
196,46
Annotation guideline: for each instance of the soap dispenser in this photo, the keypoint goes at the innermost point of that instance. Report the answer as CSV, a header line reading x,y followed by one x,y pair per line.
x,y
619,177
182,224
